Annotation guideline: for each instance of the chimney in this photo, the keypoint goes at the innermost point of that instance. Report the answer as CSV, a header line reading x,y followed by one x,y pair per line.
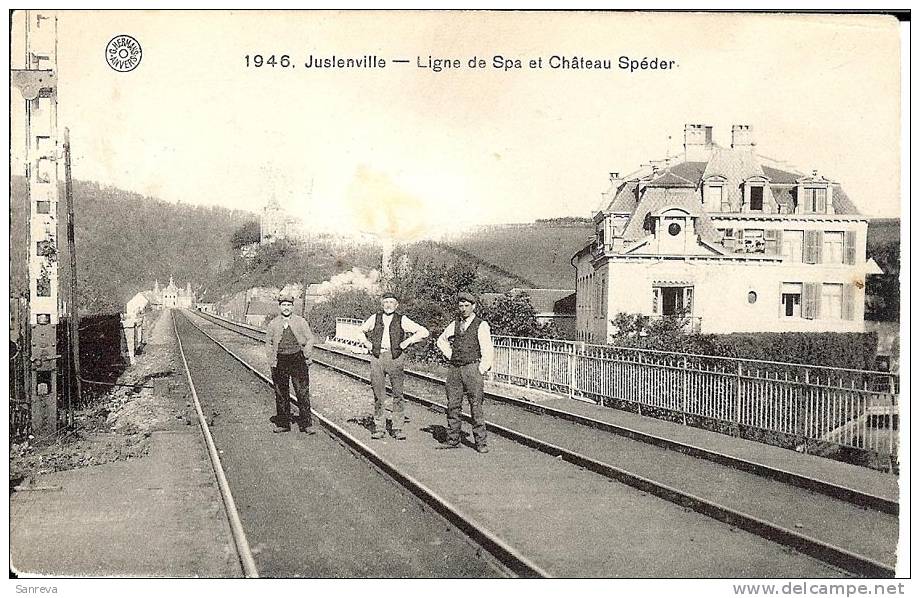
x,y
697,142
614,177
742,137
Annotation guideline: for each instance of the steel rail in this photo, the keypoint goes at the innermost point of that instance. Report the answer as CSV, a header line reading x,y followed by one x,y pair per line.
x,y
844,493
507,556
233,517
834,555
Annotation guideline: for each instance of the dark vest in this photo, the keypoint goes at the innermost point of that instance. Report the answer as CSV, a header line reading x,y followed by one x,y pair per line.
x,y
465,345
288,344
396,334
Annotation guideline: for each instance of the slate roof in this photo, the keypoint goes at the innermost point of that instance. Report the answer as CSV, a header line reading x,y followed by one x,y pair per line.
x,y
625,198
735,165
657,198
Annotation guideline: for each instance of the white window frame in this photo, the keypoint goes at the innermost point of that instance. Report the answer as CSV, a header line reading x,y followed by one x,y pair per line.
x,y
827,306
833,250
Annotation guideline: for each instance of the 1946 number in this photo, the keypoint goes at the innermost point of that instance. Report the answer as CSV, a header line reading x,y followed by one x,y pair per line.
x,y
257,60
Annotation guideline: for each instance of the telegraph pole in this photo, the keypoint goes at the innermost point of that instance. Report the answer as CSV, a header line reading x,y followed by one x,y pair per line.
x,y
37,83
73,319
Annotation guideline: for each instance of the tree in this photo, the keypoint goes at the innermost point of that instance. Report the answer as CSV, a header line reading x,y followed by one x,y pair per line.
x,y
248,233
513,314
356,304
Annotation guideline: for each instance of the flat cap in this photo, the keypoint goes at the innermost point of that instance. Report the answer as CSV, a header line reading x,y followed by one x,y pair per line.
x,y
390,295
466,296
285,296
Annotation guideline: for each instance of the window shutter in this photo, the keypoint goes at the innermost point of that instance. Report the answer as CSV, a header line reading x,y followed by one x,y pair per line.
x,y
810,300
821,201
809,257
849,247
849,293
819,246
655,300
779,242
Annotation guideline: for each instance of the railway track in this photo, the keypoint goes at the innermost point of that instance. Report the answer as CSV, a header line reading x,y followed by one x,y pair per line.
x,y
733,519
287,491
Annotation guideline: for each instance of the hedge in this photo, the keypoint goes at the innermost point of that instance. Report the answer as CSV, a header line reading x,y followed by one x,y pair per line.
x,y
855,350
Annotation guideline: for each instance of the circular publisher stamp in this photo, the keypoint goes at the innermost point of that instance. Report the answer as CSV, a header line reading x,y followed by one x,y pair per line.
x,y
123,53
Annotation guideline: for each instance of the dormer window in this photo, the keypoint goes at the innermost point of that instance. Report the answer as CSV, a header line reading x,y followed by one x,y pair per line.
x,y
814,195
815,200
756,204
712,197
756,195
715,194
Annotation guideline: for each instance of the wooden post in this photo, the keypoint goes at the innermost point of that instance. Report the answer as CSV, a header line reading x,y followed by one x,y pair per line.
x,y
74,320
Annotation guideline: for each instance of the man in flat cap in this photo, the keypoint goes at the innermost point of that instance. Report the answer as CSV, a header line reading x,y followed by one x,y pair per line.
x,y
387,334
467,344
289,347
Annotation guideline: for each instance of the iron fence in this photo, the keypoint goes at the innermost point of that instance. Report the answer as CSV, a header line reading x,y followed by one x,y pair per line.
x,y
810,408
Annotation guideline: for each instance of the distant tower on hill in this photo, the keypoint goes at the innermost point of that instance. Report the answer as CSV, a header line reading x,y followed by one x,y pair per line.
x,y
274,222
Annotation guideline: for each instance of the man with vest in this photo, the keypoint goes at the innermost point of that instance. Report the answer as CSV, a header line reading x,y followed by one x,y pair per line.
x,y
289,346
467,344
386,335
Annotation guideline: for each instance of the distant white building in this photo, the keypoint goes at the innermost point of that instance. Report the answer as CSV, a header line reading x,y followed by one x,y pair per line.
x,y
168,297
137,304
174,297
733,241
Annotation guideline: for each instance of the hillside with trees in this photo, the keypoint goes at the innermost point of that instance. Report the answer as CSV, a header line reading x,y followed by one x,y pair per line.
x,y
125,240
539,252
304,261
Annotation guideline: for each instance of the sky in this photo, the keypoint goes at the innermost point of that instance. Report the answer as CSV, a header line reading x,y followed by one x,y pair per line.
x,y
406,152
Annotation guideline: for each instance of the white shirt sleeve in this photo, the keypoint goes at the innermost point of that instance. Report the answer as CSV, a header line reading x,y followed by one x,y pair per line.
x,y
369,323
443,343
485,346
417,331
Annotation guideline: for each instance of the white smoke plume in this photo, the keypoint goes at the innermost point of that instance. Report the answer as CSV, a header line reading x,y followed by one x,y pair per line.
x,y
354,279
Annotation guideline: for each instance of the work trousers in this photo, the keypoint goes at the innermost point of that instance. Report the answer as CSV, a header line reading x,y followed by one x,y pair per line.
x,y
383,366
465,381
292,368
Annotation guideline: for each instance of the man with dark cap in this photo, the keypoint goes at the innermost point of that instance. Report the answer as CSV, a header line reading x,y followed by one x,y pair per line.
x,y
386,335
467,344
289,346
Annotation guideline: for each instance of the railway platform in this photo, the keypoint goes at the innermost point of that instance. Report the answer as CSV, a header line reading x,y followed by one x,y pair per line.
x,y
772,461
837,473
159,515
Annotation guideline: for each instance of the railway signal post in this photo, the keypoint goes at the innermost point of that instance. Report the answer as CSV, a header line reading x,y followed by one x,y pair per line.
x,y
37,84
